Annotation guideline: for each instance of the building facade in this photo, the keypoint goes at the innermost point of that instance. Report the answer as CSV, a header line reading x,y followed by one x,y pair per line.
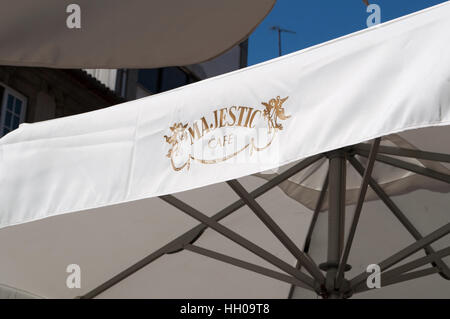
x,y
38,94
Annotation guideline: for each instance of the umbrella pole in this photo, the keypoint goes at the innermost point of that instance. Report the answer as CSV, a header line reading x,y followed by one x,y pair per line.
x,y
336,215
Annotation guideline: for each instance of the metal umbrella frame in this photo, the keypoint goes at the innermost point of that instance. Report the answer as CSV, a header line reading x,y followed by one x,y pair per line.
x,y
141,165
326,279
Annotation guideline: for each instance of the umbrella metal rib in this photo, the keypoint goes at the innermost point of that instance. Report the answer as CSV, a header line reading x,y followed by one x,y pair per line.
x,y
400,270
404,253
361,197
238,239
404,152
409,167
444,269
387,281
192,234
304,260
246,265
334,183
312,225
410,276
317,210
336,289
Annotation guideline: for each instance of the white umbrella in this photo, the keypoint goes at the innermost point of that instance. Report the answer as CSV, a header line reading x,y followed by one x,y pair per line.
x,y
124,34
375,104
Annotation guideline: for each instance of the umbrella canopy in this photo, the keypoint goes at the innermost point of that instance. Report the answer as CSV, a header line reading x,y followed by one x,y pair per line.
x,y
124,34
361,118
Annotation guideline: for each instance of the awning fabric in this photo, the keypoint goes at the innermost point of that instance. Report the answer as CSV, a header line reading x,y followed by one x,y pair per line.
x,y
13,293
107,240
110,165
124,34
384,80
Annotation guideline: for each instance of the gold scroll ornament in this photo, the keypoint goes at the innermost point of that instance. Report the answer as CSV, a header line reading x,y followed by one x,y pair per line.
x,y
181,133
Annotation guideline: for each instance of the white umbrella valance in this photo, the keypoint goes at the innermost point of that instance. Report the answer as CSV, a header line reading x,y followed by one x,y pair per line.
x,y
376,82
359,121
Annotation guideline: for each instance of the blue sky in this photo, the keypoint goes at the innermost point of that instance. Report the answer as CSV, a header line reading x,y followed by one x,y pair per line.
x,y
319,21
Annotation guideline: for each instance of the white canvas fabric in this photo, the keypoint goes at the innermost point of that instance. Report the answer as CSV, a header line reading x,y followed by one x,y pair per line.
x,y
305,186
105,241
109,166
7,292
380,234
385,80
124,34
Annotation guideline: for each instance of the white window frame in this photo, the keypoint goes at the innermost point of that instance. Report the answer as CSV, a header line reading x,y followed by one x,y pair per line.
x,y
9,91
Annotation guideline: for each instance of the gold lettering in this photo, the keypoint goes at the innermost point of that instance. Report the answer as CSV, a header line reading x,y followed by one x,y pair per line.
x,y
253,117
205,126
195,133
209,143
232,115
222,142
231,138
222,122
242,109
226,146
236,114
215,119
250,110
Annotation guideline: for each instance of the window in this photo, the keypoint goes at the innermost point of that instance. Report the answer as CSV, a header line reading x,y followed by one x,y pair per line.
x,y
163,79
150,79
173,78
13,108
